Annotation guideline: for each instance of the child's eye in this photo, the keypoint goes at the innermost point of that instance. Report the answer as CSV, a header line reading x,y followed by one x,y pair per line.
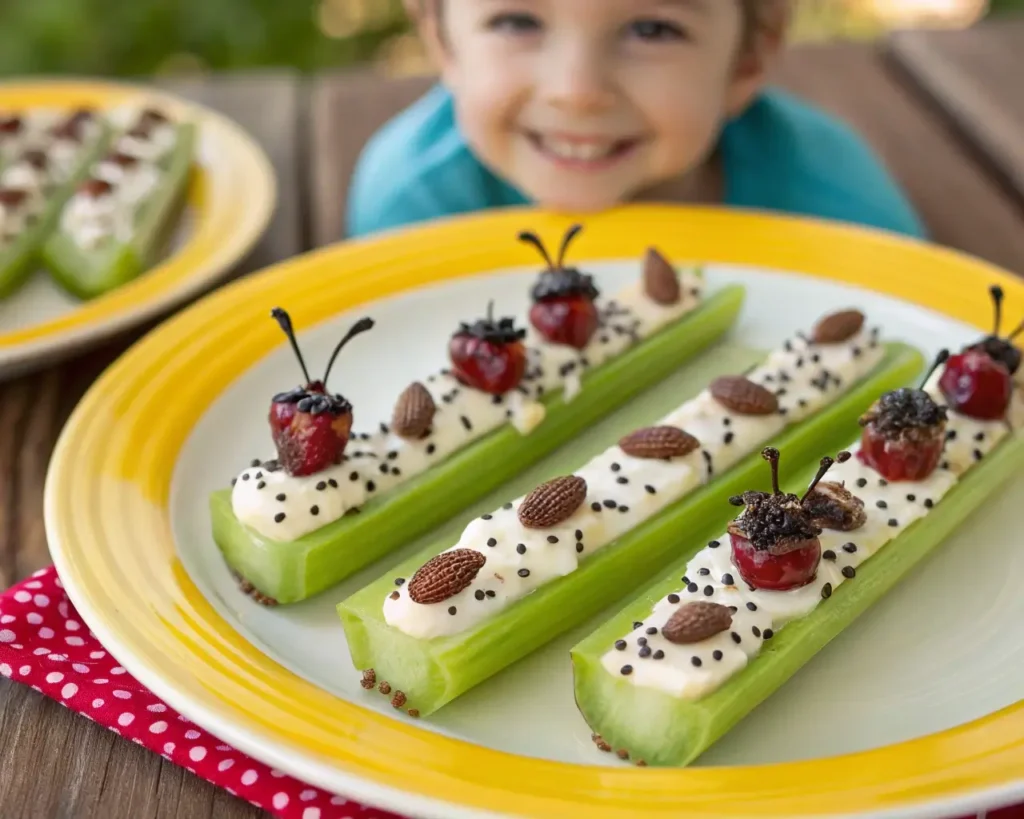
x,y
514,23
657,30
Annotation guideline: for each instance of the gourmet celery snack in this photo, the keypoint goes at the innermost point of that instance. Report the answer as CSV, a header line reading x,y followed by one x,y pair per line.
x,y
673,672
449,618
117,222
333,501
42,167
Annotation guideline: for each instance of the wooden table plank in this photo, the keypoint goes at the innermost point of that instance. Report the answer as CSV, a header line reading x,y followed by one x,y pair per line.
x,y
54,762
974,78
850,80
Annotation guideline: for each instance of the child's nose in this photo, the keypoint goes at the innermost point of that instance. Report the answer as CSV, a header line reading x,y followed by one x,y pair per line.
x,y
575,80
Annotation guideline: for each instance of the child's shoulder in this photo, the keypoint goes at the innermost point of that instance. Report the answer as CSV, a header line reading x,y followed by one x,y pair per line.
x,y
786,154
417,167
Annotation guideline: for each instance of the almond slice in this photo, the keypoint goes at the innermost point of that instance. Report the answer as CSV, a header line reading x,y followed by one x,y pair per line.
x,y
552,502
836,328
697,621
661,284
445,575
659,442
743,396
414,412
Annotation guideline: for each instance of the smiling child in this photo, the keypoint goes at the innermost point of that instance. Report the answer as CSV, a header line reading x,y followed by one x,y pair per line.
x,y
580,105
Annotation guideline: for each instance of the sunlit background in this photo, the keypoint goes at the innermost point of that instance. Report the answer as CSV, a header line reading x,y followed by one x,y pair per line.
x,y
139,37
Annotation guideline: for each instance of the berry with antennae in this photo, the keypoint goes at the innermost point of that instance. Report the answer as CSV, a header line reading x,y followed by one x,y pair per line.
x,y
978,382
563,310
904,432
489,355
774,541
310,426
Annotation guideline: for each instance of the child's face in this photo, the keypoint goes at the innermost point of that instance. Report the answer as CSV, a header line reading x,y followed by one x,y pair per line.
x,y
584,103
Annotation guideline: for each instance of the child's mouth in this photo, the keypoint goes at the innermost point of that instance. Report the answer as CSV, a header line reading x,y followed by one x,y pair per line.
x,y
581,153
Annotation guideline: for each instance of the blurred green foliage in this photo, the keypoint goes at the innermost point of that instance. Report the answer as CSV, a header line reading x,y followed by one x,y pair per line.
x,y
139,37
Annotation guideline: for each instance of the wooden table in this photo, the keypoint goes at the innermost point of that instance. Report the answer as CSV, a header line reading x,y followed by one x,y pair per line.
x,y
942,109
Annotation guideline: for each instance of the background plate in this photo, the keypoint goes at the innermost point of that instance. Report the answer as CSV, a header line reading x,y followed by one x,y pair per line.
x,y
230,201
127,526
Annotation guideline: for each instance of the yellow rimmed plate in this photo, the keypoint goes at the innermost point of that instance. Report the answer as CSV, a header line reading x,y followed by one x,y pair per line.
x,y
229,203
174,418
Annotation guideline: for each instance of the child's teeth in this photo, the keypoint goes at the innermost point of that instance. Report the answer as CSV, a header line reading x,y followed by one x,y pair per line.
x,y
583,152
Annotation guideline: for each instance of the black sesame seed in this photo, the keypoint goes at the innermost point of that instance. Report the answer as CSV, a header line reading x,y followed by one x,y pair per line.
x,y
452,610
768,634
928,503
645,652
466,423
673,598
736,638
392,455
496,399
399,581
259,475
279,517
314,510
726,422
802,402
641,641
911,498
951,435
615,467
727,579
856,351
610,504
478,594
717,654
492,542
552,539
816,358
862,482
623,509
370,486
234,481
658,655
752,606
692,587
696,662
320,487
245,477
828,554
709,591
486,517
579,548
686,580
620,645
978,455
799,362
523,572
384,468
849,572
650,489
579,534
622,480
261,485
626,670
728,437
979,437
882,504
507,505
849,548
652,630
395,471
332,483
704,572
944,465
431,449
489,593
637,624
883,482
714,544
826,591
281,497
596,506
893,522
521,548
756,631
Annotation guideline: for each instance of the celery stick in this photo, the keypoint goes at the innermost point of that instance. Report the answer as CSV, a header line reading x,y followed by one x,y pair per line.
x,y
666,730
433,672
88,273
295,570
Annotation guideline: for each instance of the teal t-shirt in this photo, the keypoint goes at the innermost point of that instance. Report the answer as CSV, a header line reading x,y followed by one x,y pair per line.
x,y
781,154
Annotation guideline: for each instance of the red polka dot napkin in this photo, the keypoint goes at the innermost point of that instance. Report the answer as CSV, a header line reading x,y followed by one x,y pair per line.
x,y
44,644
